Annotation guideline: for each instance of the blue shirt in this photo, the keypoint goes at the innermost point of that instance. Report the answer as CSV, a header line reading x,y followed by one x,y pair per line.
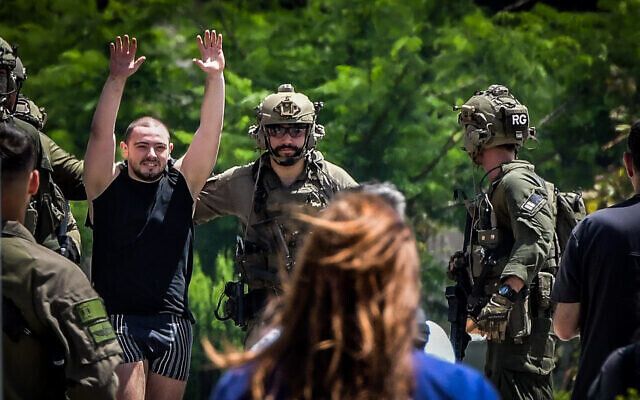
x,y
435,379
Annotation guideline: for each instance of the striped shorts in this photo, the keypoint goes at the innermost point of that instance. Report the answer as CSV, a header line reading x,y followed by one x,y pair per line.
x,y
164,340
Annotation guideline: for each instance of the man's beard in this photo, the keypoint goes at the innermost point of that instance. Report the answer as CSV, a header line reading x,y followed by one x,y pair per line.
x,y
287,160
150,176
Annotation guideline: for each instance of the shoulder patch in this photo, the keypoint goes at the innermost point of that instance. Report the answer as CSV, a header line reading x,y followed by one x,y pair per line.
x,y
532,204
102,332
90,311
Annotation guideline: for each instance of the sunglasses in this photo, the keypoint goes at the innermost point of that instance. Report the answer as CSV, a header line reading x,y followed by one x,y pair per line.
x,y
294,131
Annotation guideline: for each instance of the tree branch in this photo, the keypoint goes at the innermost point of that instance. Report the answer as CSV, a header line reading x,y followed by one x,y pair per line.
x,y
451,141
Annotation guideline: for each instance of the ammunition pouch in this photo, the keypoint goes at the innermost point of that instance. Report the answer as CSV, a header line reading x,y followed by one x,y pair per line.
x,y
544,306
519,326
536,303
253,263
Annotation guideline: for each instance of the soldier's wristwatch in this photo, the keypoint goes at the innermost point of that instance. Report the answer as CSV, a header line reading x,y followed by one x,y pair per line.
x,y
508,292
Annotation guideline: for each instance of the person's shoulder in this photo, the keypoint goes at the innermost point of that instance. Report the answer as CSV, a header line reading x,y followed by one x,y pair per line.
x,y
436,378
239,173
18,250
605,215
44,266
338,173
234,384
616,218
47,260
27,128
519,174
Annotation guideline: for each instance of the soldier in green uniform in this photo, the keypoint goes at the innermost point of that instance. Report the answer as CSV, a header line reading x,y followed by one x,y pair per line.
x,y
56,338
290,173
512,256
48,216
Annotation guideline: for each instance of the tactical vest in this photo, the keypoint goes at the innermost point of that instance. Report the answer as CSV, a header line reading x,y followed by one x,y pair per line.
x,y
274,235
48,217
491,250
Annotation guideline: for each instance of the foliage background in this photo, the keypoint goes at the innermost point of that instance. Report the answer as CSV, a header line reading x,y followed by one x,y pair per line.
x,y
388,72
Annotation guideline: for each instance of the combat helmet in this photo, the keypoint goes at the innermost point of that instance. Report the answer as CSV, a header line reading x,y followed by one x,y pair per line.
x,y
287,107
491,118
29,112
15,74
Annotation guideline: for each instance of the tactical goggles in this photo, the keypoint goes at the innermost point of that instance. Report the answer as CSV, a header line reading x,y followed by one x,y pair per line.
x,y
294,131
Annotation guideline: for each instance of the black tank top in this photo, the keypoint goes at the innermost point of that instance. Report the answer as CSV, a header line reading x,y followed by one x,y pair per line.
x,y
143,245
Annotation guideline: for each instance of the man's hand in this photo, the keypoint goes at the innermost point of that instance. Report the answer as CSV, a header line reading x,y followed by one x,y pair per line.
x,y
99,163
212,57
123,63
198,162
494,317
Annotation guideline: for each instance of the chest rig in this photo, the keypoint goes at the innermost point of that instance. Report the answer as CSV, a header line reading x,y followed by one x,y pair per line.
x,y
273,235
492,243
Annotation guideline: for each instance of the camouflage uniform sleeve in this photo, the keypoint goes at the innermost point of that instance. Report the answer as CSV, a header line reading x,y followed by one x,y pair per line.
x,y
341,177
66,302
67,169
532,225
217,199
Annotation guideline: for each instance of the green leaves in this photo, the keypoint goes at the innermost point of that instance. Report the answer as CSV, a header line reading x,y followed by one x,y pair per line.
x,y
388,72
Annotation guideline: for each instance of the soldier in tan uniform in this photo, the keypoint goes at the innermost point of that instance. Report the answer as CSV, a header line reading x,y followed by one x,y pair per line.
x,y
56,339
512,258
49,218
290,173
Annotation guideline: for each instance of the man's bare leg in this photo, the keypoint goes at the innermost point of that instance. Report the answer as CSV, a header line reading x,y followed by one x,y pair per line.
x,y
132,378
162,388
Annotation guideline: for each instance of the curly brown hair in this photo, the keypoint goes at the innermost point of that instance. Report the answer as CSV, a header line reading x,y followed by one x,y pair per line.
x,y
347,313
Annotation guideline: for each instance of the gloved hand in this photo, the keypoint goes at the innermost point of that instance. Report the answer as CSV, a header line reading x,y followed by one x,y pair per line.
x,y
494,316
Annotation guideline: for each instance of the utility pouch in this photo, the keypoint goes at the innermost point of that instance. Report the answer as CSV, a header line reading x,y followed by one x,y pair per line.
x,y
489,238
545,284
519,326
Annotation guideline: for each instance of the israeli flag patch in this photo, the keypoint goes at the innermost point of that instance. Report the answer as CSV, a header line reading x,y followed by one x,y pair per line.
x,y
532,204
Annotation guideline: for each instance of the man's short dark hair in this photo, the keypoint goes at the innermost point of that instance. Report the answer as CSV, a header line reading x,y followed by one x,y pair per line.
x,y
633,144
147,121
17,152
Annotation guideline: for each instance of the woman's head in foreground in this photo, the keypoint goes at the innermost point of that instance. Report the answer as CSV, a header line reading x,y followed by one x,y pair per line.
x,y
347,314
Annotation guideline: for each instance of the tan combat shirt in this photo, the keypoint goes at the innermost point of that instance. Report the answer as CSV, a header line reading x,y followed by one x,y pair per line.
x,y
231,192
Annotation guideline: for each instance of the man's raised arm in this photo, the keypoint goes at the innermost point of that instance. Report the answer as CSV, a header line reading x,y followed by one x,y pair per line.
x,y
99,159
198,161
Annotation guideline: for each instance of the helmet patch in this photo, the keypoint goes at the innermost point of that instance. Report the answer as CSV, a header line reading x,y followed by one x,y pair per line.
x,y
287,108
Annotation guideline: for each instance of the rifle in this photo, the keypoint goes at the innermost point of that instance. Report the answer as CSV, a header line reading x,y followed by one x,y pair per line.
x,y
458,295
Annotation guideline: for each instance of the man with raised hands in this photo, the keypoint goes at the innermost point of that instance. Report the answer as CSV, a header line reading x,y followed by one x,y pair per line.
x,y
142,223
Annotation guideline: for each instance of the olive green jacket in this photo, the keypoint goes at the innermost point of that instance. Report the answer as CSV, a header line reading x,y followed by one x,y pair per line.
x,y
64,320
525,219
527,225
